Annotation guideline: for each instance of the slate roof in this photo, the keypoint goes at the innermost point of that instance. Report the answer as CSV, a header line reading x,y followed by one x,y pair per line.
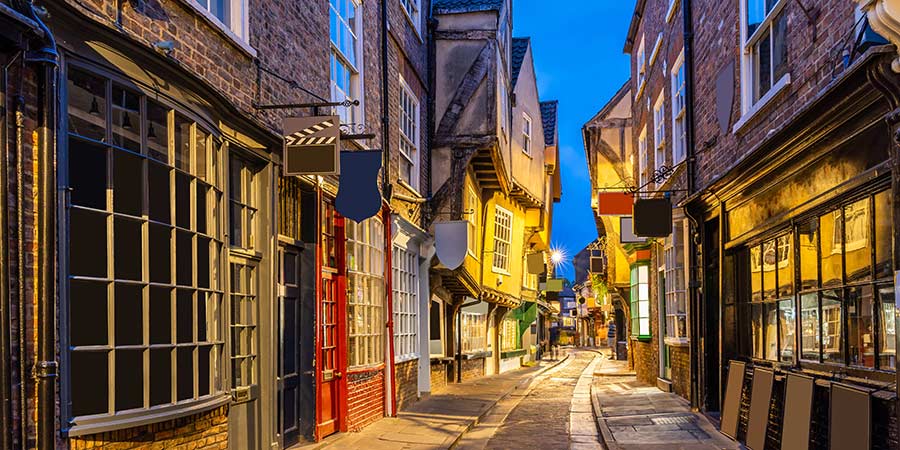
x,y
519,47
462,6
548,118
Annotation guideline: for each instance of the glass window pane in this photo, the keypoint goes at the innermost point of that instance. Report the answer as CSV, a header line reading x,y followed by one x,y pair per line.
x,y
762,54
857,247
160,376
756,270
157,131
832,345
88,313
830,247
87,174
126,118
785,262
90,389
883,207
887,345
182,142
755,15
160,253
87,243
159,186
756,321
771,331
809,323
200,208
160,315
129,252
184,316
129,314
203,364
185,373
184,258
779,47
129,379
786,326
182,200
203,262
87,105
769,264
128,183
809,259
861,326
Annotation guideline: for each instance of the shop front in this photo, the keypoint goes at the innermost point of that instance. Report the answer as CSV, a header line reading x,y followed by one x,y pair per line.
x,y
799,255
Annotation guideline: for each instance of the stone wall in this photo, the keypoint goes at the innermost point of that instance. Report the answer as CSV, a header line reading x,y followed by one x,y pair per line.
x,y
406,383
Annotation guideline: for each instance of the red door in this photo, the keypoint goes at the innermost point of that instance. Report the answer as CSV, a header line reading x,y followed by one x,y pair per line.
x,y
331,347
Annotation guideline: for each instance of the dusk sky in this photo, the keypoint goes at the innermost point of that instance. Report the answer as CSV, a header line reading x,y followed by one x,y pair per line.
x,y
579,61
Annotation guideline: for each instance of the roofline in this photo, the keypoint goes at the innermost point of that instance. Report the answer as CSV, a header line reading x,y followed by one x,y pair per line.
x,y
612,101
527,50
632,29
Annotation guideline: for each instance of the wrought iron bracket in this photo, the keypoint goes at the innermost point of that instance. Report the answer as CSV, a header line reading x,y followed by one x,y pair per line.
x,y
314,105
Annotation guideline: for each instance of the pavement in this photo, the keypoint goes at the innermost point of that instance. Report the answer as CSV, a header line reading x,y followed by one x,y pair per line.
x,y
635,416
438,421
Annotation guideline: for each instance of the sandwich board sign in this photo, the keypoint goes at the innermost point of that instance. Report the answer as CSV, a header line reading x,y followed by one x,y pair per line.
x,y
311,145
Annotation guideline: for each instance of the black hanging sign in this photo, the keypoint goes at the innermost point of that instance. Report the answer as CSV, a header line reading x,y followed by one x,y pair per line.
x,y
358,196
311,145
653,217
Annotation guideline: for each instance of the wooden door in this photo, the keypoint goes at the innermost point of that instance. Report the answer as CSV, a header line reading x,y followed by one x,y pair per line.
x,y
331,345
290,373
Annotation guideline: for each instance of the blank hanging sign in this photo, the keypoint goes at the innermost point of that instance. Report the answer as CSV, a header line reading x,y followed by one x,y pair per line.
x,y
311,145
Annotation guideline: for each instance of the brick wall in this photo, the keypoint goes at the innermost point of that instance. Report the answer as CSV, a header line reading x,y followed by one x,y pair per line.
x,y
644,358
205,431
406,383
365,398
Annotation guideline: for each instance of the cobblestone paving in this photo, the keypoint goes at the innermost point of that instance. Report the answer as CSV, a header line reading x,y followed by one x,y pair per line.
x,y
541,419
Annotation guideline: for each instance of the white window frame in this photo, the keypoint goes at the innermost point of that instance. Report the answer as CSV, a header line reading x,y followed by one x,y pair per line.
x,y
656,46
409,126
640,299
526,134
503,224
234,25
659,130
474,332
351,114
643,159
365,268
679,115
673,6
509,334
413,11
641,67
405,287
436,302
676,282
749,106
472,215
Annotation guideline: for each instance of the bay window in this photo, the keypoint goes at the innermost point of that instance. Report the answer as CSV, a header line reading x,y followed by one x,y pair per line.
x,y
675,286
764,38
142,284
365,291
346,28
640,301
772,305
405,284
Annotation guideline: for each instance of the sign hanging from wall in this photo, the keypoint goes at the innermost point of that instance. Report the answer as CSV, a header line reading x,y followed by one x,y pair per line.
x,y
311,145
535,263
653,217
450,242
358,195
626,232
611,203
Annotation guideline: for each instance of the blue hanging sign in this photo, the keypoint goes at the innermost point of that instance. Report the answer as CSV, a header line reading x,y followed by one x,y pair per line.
x,y
358,196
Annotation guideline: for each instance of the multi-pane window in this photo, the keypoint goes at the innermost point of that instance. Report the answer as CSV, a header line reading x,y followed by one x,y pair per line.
x,y
643,159
289,194
640,301
659,130
405,284
143,284
502,238
772,309
409,135
474,332
231,13
244,336
365,291
846,290
765,46
509,334
243,210
675,286
679,138
412,9
526,134
345,36
529,280
641,65
471,213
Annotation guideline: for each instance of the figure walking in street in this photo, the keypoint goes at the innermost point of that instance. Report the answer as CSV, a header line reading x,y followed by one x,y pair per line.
x,y
611,338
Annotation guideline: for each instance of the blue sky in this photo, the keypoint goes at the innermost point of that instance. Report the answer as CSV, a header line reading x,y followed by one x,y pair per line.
x,y
579,61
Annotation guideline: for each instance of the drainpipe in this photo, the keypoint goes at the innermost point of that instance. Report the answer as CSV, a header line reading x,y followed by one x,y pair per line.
x,y
46,367
385,105
693,283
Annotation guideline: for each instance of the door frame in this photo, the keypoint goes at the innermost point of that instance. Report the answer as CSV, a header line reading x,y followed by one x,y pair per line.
x,y
341,319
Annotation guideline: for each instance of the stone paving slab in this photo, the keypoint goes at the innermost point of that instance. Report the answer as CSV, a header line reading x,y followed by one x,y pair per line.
x,y
634,416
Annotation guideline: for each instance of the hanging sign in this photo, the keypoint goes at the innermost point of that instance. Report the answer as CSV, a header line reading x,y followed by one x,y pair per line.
x,y
358,196
611,203
450,242
554,285
653,217
311,145
536,263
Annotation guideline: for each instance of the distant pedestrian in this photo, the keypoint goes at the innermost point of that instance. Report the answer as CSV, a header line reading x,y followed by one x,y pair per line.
x,y
611,338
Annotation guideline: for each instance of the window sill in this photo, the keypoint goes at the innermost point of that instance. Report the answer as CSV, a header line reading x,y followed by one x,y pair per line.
x,y
500,271
136,418
640,90
478,355
411,189
406,358
217,24
759,106
673,6
677,342
412,24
